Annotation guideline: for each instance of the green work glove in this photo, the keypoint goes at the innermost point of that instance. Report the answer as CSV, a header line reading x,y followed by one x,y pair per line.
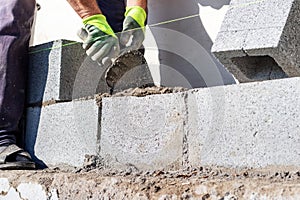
x,y
99,40
133,28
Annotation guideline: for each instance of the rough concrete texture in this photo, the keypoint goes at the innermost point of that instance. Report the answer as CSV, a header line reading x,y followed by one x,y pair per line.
x,y
146,132
247,125
68,133
61,71
258,43
200,183
64,133
52,70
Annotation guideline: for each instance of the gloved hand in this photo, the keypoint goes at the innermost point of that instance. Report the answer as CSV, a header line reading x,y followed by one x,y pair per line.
x,y
99,40
133,27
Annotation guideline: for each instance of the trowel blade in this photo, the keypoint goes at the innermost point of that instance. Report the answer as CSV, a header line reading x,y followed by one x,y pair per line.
x,y
123,64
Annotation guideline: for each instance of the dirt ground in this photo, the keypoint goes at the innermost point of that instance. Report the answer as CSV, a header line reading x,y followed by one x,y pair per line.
x,y
91,182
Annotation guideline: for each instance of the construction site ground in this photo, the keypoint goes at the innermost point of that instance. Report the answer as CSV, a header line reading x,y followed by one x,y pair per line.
x,y
92,182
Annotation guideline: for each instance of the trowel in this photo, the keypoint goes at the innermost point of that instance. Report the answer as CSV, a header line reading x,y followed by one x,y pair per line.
x,y
126,61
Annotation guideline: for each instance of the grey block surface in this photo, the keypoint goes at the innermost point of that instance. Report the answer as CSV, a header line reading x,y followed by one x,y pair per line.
x,y
62,134
52,70
260,28
246,125
60,70
145,132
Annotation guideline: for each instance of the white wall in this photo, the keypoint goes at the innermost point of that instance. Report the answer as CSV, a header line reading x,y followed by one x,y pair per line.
x,y
165,44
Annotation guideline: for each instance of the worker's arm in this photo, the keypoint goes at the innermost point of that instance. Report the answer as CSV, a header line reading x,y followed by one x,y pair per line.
x,y
134,24
141,3
99,40
85,8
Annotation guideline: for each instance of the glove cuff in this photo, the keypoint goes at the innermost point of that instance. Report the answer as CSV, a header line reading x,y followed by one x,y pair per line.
x,y
137,13
100,22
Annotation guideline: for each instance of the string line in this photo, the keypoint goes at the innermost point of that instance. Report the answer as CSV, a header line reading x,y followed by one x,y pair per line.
x,y
151,25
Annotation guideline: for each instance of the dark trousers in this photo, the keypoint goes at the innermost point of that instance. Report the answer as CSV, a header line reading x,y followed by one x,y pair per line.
x,y
114,11
16,17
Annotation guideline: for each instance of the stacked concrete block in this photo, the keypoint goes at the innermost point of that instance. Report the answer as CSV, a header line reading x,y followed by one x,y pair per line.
x,y
146,133
248,125
53,133
52,70
59,130
64,133
259,40
61,71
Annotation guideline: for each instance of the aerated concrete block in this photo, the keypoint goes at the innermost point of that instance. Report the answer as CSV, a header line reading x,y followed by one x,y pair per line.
x,y
259,40
144,132
61,71
62,134
246,125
